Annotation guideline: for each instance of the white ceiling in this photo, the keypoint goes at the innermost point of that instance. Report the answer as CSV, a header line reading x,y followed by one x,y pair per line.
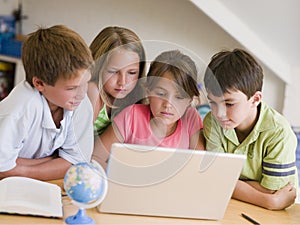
x,y
270,29
276,22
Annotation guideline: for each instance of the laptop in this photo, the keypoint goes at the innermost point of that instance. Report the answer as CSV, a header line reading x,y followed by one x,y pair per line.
x,y
169,182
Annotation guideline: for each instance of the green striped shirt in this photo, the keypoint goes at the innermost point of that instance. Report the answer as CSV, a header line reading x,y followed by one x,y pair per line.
x,y
270,148
102,121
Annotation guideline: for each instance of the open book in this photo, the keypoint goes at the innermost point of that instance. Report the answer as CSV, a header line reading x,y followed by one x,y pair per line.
x,y
21,195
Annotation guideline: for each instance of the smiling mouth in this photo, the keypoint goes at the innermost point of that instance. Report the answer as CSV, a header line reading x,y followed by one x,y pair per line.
x,y
75,103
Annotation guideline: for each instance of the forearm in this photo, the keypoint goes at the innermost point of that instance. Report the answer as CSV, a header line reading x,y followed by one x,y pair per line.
x,y
247,193
103,143
47,170
260,188
274,200
100,154
31,162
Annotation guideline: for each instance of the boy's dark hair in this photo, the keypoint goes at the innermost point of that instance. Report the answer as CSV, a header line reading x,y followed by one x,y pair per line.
x,y
53,53
233,70
181,66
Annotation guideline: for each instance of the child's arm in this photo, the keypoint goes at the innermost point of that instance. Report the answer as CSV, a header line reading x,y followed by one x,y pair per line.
x,y
52,169
195,126
197,141
257,195
103,144
28,162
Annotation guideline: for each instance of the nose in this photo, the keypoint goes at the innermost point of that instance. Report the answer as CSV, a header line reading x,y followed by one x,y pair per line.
x,y
81,91
167,102
220,111
121,78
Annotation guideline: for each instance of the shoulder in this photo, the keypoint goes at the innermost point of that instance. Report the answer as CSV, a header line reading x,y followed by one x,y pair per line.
x,y
136,109
85,105
210,124
274,127
31,99
191,111
192,118
271,119
190,114
209,119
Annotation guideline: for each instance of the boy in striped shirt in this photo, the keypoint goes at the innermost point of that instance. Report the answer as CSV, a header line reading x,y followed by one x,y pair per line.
x,y
241,123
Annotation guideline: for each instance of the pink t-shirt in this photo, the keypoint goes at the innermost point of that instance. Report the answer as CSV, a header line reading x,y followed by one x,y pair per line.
x,y
134,125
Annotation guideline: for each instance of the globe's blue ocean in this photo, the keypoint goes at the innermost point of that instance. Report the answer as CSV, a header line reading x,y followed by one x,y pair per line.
x,y
83,183
81,193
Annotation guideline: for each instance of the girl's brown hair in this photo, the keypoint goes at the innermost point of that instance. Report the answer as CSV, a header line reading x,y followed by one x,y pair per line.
x,y
181,66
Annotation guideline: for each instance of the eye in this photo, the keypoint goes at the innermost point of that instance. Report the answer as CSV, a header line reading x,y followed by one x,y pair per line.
x,y
229,104
211,103
160,93
112,71
71,88
132,72
180,97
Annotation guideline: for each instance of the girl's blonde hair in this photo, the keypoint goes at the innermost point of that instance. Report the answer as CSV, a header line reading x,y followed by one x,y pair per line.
x,y
109,39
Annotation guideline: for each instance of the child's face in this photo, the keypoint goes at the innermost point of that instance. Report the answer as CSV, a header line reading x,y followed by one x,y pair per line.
x,y
166,102
234,109
66,94
121,73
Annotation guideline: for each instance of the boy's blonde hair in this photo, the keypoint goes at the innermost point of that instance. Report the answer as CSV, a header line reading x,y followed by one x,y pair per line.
x,y
110,39
53,53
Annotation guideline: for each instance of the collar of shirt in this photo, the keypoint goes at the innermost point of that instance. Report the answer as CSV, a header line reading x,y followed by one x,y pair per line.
x,y
47,117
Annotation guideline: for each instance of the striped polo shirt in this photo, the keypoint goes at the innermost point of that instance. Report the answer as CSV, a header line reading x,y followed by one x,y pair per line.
x,y
270,148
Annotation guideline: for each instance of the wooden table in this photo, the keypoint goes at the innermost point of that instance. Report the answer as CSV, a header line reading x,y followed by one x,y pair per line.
x,y
232,216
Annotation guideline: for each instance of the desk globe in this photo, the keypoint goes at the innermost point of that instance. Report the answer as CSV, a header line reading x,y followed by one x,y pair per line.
x,y
86,184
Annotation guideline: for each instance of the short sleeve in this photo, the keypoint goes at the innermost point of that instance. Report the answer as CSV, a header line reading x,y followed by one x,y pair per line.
x,y
10,142
278,166
213,134
193,120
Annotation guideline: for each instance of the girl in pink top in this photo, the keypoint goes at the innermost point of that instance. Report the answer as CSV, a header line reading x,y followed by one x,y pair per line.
x,y
168,120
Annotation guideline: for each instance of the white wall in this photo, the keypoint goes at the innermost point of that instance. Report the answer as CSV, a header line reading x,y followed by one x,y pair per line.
x,y
168,23
7,6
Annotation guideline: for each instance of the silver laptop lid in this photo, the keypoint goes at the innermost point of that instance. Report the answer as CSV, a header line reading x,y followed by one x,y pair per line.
x,y
156,181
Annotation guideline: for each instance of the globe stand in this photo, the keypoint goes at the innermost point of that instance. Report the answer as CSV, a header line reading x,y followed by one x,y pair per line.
x,y
80,218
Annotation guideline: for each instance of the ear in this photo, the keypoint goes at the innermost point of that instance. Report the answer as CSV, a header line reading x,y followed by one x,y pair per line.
x,y
256,98
38,84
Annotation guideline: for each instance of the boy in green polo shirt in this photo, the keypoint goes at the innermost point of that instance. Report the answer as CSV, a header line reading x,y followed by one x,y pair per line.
x,y
241,123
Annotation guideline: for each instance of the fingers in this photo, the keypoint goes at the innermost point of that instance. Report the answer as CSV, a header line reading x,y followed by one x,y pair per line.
x,y
289,187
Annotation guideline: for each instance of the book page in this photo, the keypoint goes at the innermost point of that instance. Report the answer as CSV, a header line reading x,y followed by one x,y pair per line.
x,y
28,196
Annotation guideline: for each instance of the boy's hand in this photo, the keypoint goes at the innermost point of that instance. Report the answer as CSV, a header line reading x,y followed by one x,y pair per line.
x,y
284,197
253,193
